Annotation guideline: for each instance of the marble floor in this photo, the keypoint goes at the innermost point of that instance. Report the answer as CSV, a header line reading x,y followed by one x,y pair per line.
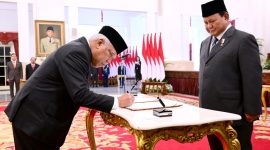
x,y
4,95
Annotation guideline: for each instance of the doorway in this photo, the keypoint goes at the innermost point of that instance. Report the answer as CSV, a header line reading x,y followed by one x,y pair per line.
x,y
5,50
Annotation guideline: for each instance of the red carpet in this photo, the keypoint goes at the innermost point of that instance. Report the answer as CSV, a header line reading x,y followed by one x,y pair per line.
x,y
116,138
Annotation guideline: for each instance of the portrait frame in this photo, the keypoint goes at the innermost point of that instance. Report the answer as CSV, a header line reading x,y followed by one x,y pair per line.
x,y
40,33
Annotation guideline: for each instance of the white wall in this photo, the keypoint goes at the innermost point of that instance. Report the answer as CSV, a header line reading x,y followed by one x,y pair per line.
x,y
252,16
124,5
25,31
170,17
8,15
49,10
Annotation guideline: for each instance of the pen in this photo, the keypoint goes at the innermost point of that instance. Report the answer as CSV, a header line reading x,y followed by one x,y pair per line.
x,y
161,102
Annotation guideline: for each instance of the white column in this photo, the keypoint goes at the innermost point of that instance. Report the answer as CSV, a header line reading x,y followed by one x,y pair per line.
x,y
24,35
72,24
151,22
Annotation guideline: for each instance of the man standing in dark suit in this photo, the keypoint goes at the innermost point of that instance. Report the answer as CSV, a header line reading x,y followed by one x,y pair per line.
x,y
122,71
30,68
230,77
14,74
42,111
94,77
106,73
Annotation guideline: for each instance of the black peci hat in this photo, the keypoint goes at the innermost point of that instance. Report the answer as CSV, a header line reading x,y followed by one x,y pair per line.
x,y
49,28
213,7
115,38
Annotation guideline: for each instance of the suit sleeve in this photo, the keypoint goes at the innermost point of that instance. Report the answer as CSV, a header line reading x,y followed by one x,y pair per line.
x,y
74,69
251,73
26,72
21,71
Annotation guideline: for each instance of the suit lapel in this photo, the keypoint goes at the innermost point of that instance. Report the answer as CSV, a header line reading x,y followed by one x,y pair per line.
x,y
205,47
17,64
14,66
221,43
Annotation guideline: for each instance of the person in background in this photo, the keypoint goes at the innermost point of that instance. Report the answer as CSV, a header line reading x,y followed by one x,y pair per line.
x,y
230,77
122,71
41,113
14,74
138,74
31,67
106,73
100,75
50,43
94,77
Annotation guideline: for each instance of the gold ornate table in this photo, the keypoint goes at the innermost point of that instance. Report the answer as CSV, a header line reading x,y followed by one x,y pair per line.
x,y
188,124
265,88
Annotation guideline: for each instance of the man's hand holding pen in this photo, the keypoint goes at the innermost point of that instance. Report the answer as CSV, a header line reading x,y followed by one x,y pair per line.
x,y
125,100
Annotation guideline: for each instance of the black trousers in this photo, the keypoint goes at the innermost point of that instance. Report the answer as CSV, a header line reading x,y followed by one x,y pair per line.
x,y
244,133
24,142
11,86
122,81
105,81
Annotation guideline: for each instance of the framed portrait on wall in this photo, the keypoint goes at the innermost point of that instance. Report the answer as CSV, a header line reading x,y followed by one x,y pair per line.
x,y
49,36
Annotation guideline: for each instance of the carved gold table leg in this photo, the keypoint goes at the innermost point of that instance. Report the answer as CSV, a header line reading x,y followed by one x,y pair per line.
x,y
227,135
90,128
265,88
147,139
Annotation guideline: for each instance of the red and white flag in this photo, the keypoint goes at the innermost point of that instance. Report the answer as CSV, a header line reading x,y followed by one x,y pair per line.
x,y
161,57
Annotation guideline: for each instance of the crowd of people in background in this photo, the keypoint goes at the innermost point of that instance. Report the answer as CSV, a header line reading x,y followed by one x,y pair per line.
x,y
98,76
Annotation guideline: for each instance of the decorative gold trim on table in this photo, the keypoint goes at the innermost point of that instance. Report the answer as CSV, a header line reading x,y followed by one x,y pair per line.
x,y
265,88
90,128
147,139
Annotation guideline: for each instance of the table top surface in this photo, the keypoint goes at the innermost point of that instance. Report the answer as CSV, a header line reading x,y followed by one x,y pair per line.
x,y
264,86
184,115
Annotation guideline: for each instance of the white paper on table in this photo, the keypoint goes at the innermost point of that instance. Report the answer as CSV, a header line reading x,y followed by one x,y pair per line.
x,y
152,103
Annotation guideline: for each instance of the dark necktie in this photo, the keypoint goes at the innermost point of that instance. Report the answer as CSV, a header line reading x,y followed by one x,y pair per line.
x,y
214,42
50,40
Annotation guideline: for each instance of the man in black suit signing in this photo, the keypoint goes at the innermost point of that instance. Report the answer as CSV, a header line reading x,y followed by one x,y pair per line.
x,y
30,68
43,110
